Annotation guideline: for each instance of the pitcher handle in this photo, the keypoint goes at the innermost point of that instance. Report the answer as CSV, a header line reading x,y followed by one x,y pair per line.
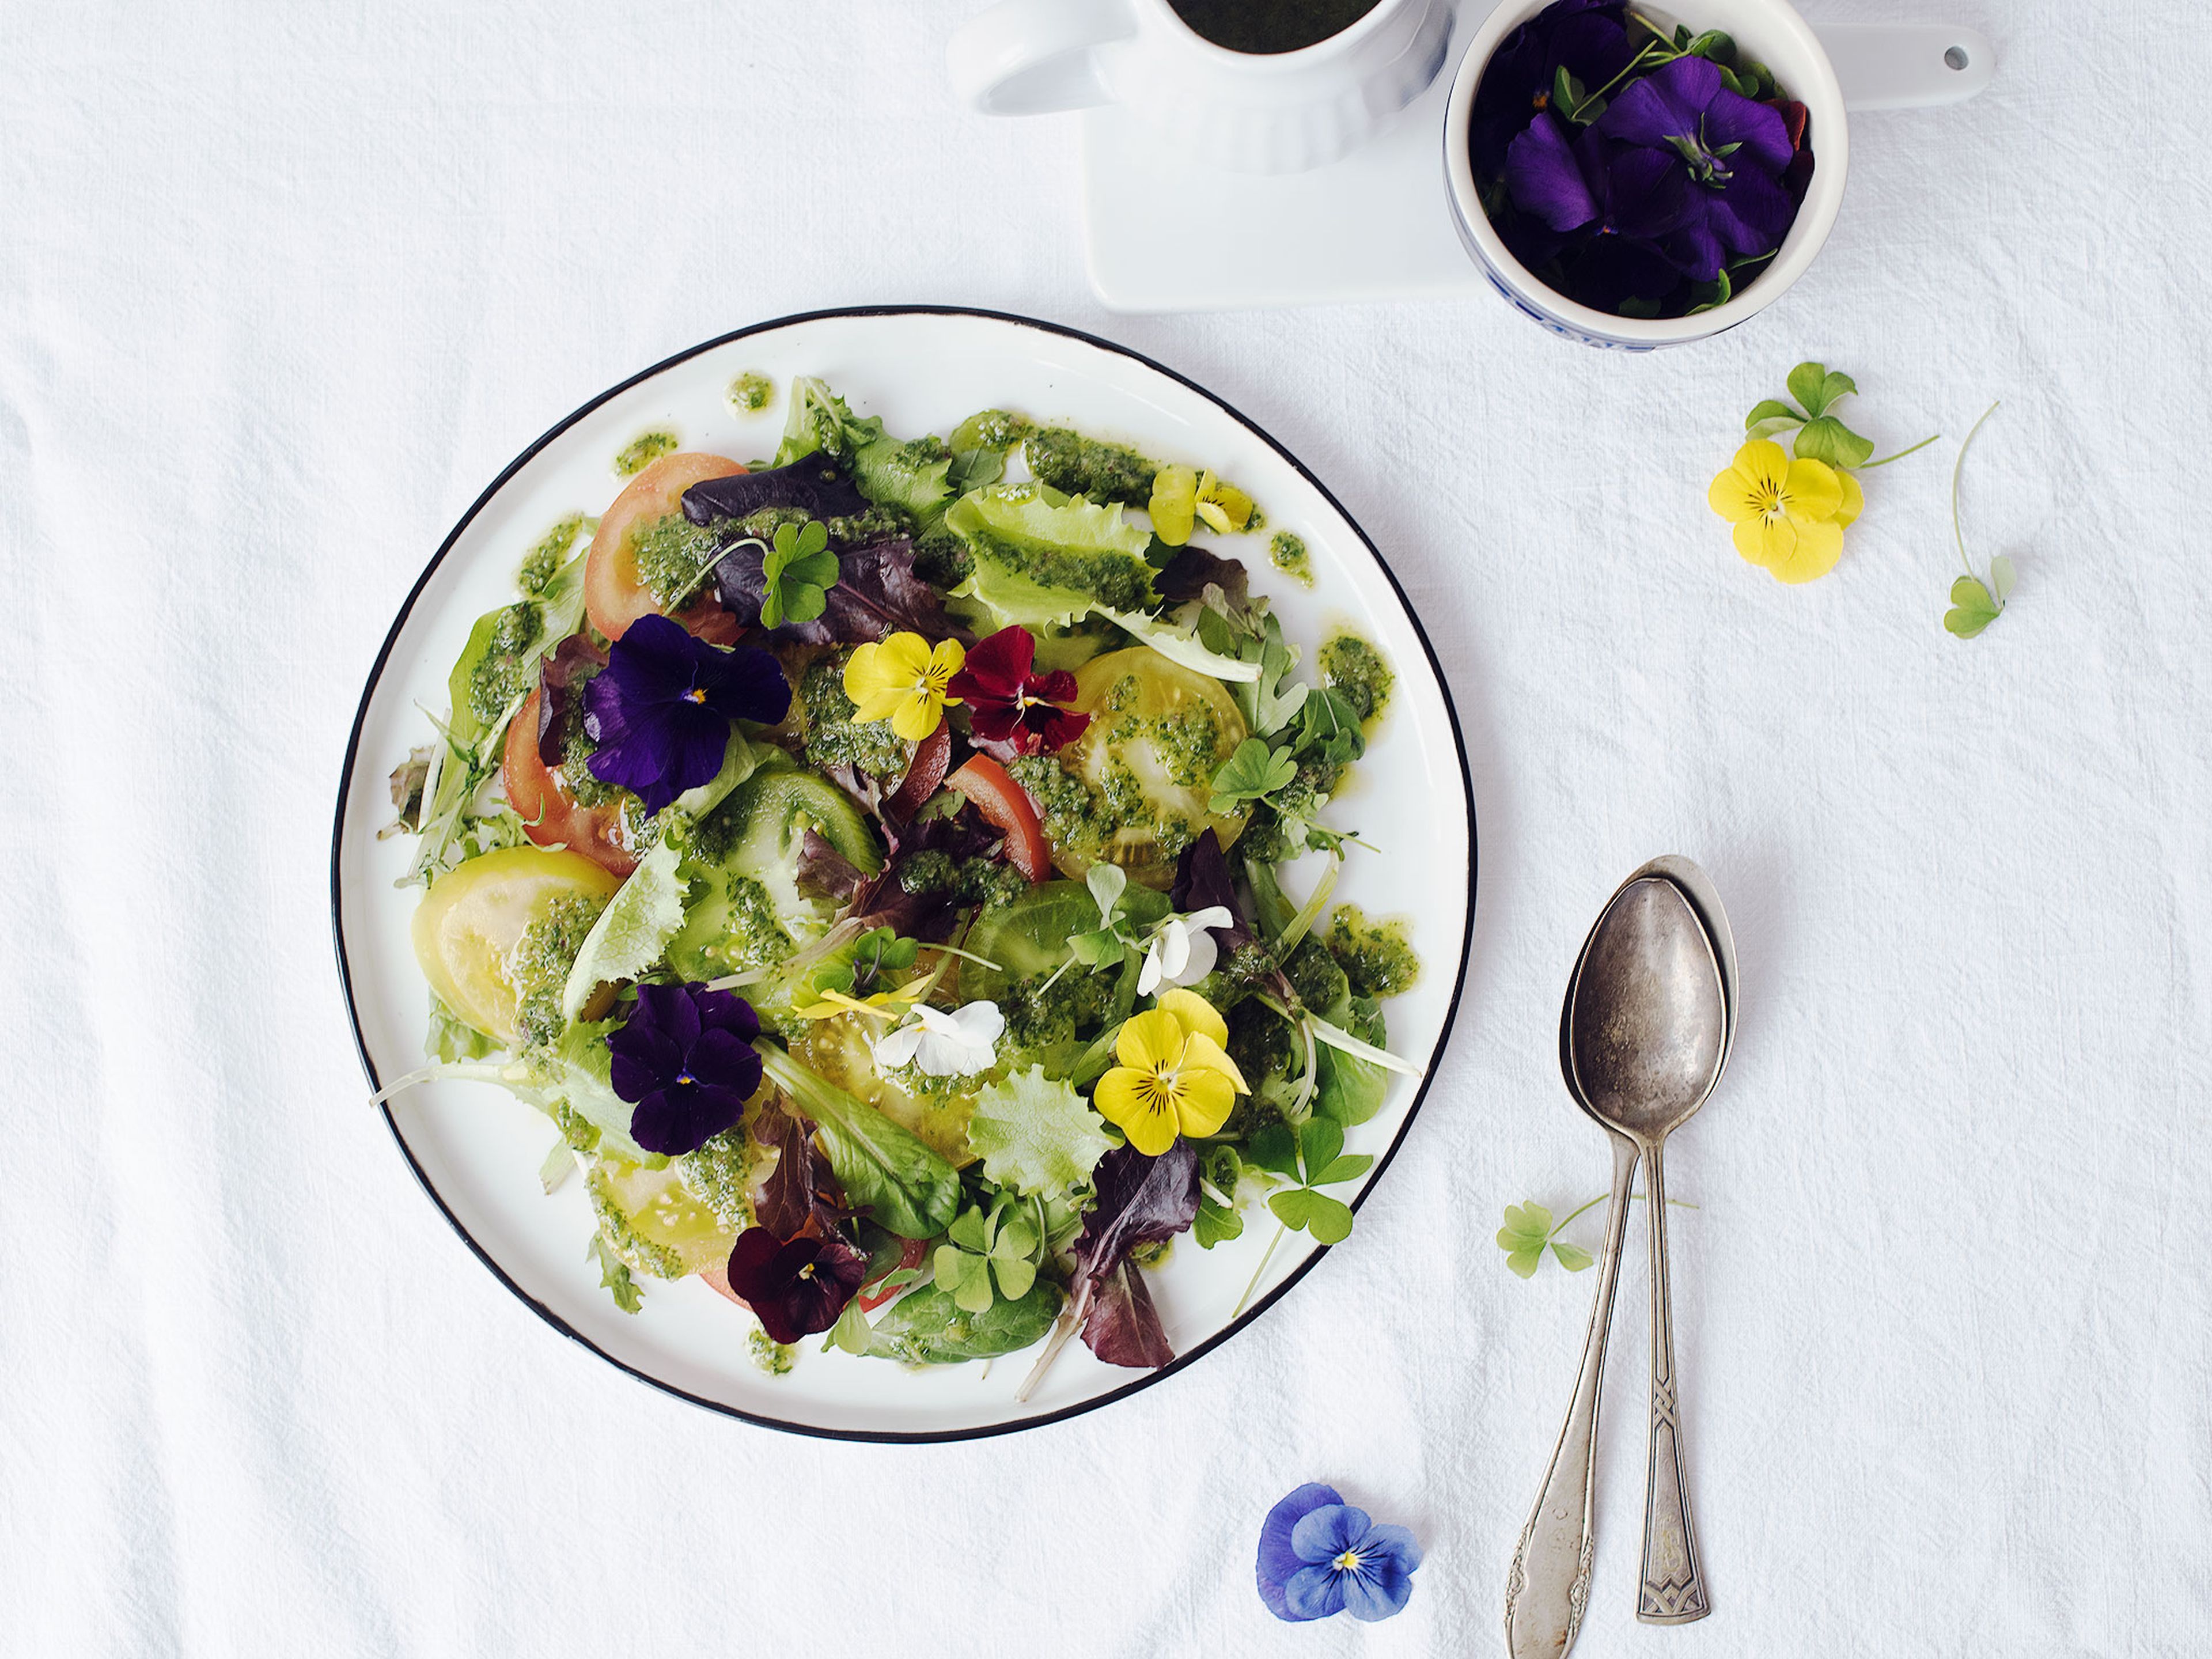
x,y
1034,57
1906,66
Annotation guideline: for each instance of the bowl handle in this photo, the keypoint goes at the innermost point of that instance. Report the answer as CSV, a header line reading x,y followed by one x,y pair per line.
x,y
1906,66
1033,57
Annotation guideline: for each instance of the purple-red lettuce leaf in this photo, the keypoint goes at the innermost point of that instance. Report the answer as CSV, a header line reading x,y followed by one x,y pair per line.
x,y
877,592
791,1194
1192,569
1121,1327
814,484
1141,1200
566,668
823,869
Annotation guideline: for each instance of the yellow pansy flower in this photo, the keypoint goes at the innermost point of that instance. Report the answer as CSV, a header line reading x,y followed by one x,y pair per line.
x,y
882,1005
1176,1077
902,680
1787,513
1183,496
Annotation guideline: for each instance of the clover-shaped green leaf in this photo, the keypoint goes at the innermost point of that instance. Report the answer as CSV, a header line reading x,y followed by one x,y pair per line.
x,y
998,1244
1304,1210
798,571
1973,608
1528,1229
1824,438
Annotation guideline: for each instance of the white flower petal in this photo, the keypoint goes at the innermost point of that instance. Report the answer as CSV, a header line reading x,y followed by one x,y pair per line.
x,y
894,1049
1204,953
1148,978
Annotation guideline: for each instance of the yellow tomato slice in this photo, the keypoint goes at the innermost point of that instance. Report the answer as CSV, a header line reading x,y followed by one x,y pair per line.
x,y
1158,732
474,915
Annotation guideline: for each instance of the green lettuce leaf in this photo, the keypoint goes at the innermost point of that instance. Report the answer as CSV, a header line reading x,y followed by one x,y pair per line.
x,y
1044,560
631,933
883,1168
1036,1135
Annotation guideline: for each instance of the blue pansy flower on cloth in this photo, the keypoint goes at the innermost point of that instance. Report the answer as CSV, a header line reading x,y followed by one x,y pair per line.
x,y
684,1061
661,711
1319,1556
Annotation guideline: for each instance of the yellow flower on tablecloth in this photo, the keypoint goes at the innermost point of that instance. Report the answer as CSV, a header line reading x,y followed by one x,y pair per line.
x,y
902,680
1175,1077
1788,514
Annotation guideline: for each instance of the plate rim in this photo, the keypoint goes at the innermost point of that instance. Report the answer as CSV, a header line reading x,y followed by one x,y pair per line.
x,y
815,1431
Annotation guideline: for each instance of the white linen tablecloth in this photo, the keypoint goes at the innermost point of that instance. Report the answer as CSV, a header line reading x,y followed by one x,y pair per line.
x,y
283,286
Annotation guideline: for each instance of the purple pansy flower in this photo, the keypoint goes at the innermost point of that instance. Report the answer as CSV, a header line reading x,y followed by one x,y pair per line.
x,y
1319,1556
661,711
1735,149
799,1287
684,1060
1589,39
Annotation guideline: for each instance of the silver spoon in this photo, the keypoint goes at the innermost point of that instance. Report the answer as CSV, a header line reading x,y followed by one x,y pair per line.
x,y
1547,1588
1653,1017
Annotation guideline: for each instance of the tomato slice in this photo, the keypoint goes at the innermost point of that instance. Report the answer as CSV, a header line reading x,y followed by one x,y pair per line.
x,y
910,1256
469,923
1007,806
615,595
923,774
550,816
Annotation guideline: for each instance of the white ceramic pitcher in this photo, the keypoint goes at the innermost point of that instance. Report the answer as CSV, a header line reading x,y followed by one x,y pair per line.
x,y
1249,111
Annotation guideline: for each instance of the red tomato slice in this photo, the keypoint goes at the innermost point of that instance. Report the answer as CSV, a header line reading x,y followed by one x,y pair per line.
x,y
550,815
719,1278
923,774
1007,806
909,1257
615,595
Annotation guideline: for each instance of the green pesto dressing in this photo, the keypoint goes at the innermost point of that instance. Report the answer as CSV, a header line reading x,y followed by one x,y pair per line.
x,y
1376,956
774,1358
670,551
1350,664
643,451
1076,465
502,674
752,391
1287,553
543,562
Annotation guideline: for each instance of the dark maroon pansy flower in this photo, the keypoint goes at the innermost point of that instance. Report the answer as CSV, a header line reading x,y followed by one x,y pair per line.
x,y
1008,701
661,711
684,1060
798,1287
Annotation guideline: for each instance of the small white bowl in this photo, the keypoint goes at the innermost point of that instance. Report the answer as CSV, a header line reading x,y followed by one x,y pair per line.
x,y
1769,30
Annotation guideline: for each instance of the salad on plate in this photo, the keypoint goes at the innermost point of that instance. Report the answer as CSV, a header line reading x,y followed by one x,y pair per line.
x,y
875,863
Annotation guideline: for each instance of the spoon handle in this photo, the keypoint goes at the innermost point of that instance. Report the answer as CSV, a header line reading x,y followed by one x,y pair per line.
x,y
1548,1585
1674,1591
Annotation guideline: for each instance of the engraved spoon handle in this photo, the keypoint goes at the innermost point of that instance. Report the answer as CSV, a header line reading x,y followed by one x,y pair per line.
x,y
1548,1586
1674,1587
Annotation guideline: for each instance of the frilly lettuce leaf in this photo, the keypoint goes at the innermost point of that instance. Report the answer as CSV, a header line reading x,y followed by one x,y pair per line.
x,y
1036,1135
1043,559
632,931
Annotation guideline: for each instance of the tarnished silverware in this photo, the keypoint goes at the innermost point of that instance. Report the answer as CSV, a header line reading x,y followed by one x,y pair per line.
x,y
1547,1587
1652,1021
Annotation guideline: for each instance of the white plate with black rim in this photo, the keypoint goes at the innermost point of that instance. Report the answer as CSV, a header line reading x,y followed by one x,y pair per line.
x,y
477,1151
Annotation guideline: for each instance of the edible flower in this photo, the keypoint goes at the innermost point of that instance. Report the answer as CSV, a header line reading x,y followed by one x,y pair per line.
x,y
1008,701
661,711
1788,513
1182,950
1735,149
957,1043
1589,39
904,680
798,1287
1319,1556
1182,498
1176,1076
684,1060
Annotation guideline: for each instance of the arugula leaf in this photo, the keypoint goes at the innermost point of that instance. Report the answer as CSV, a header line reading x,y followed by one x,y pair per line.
x,y
1252,772
614,1274
646,912
1036,1135
797,573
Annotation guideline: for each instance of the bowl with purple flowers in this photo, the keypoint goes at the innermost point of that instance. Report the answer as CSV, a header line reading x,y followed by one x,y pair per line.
x,y
1633,179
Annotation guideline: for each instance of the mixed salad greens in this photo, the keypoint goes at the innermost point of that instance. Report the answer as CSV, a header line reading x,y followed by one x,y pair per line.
x,y
871,861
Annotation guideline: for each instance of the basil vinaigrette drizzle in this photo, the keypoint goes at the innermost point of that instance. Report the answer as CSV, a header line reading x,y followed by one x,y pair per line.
x,y
644,450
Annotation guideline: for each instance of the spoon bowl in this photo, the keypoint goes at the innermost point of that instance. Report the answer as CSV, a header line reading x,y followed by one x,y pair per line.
x,y
1647,1018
